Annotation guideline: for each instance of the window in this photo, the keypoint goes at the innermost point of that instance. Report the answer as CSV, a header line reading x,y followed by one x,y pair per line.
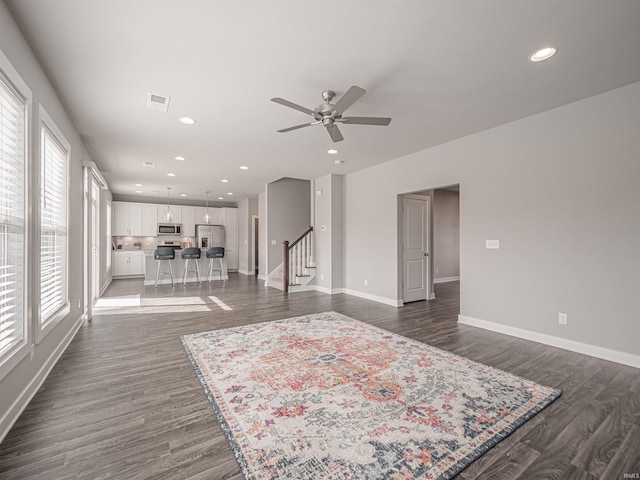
x,y
54,159
108,242
13,216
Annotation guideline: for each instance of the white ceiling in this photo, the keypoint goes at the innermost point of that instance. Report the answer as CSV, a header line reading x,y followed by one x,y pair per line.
x,y
440,69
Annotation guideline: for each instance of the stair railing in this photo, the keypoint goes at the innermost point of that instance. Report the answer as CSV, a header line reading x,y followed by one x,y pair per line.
x,y
297,256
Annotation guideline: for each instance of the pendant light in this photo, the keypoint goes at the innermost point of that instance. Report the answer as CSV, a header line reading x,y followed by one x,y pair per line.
x,y
207,217
168,216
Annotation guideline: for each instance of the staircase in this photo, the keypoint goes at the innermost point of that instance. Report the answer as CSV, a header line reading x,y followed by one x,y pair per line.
x,y
299,268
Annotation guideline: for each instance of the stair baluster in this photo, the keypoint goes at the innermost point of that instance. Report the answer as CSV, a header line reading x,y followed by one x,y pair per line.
x,y
297,257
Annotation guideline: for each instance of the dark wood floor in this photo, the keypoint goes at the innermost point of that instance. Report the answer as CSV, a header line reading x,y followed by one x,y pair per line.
x,y
123,402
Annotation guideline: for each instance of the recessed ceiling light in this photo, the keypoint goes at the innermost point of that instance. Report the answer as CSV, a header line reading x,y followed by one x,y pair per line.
x,y
229,193
137,184
332,151
244,167
220,198
183,194
171,174
180,159
138,191
543,54
224,180
186,120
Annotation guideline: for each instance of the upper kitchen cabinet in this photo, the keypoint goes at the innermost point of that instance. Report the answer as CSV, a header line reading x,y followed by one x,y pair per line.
x,y
230,219
188,221
176,211
127,219
215,216
149,220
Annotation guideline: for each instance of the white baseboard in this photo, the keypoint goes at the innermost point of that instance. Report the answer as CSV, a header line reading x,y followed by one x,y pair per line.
x,y
387,301
329,291
355,293
318,288
106,285
445,279
17,407
246,272
571,345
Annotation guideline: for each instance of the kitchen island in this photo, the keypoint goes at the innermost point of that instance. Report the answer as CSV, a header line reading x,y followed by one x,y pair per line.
x,y
178,265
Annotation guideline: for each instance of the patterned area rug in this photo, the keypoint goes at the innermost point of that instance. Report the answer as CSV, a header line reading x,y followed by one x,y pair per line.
x,y
328,397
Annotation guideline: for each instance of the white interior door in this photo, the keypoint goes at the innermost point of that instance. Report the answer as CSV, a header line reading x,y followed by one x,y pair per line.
x,y
415,248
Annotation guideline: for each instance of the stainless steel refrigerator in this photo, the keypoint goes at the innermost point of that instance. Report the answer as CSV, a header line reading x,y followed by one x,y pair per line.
x,y
208,236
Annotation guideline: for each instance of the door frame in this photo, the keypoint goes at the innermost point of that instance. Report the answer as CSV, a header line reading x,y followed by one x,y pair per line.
x,y
255,243
95,241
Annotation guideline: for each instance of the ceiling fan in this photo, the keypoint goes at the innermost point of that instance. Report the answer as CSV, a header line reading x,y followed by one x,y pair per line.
x,y
330,115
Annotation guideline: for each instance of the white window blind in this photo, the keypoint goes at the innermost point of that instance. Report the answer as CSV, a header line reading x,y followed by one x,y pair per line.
x,y
12,219
53,225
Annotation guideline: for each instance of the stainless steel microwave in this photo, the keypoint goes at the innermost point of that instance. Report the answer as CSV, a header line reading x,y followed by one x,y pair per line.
x,y
174,229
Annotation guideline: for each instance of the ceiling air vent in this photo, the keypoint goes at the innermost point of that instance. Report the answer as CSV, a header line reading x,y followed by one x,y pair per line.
x,y
157,102
149,164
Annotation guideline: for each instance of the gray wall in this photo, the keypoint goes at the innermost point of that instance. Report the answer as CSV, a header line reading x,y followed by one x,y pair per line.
x,y
446,234
14,385
328,231
530,184
288,215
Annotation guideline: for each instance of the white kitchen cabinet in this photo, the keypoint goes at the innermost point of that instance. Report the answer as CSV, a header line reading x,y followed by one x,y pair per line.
x,y
127,219
129,263
230,222
188,221
149,220
176,211
214,213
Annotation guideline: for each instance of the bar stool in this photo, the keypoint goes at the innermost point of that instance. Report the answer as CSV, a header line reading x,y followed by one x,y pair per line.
x,y
164,253
191,253
212,254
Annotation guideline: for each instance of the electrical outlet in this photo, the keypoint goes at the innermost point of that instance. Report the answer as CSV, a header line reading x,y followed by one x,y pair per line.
x,y
273,242
436,270
562,318
322,276
366,282
78,303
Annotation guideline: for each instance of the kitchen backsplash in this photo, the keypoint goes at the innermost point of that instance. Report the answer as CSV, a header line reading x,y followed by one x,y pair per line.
x,y
148,243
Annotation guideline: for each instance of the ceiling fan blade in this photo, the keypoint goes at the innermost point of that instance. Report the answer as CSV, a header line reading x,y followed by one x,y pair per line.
x,y
348,99
334,133
285,130
295,106
366,121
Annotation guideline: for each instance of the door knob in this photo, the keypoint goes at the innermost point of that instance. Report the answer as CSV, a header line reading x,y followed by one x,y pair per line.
x,y
426,254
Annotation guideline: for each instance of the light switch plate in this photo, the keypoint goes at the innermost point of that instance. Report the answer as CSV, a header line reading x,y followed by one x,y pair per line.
x,y
494,244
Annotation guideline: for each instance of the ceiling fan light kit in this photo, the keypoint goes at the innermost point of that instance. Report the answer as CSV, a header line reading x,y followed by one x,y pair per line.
x,y
329,114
